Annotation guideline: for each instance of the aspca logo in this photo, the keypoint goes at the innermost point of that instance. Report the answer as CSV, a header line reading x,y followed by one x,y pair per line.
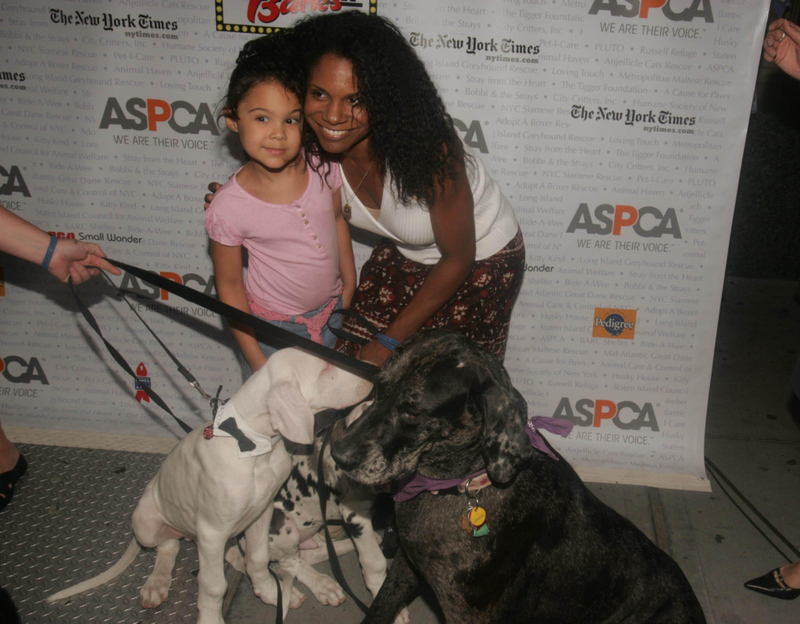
x,y
673,10
647,222
614,323
18,370
13,182
623,415
472,134
148,291
181,116
267,11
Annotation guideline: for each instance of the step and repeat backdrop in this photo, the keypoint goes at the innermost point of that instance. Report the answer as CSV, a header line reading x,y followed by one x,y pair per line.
x,y
615,127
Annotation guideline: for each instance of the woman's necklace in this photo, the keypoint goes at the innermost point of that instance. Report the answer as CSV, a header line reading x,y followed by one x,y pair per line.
x,y
346,209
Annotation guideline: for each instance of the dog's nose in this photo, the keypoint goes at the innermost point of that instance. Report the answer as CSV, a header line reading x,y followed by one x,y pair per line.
x,y
344,456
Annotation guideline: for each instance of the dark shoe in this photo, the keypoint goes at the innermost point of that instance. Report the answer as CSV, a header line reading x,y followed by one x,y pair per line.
x,y
9,479
768,586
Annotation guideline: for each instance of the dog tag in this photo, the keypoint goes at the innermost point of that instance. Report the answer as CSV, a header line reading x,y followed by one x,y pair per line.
x,y
484,530
477,517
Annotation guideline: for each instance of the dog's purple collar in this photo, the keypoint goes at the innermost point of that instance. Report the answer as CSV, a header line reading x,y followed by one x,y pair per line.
x,y
414,485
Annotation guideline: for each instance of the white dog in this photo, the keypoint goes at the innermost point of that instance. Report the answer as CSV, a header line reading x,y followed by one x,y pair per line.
x,y
212,488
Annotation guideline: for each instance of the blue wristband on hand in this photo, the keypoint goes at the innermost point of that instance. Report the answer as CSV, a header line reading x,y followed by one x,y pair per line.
x,y
48,255
387,341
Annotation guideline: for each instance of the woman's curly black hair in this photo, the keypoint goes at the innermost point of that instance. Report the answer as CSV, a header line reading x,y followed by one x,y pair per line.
x,y
411,134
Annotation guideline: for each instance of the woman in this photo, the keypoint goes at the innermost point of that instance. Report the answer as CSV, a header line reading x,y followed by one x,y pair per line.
x,y
452,255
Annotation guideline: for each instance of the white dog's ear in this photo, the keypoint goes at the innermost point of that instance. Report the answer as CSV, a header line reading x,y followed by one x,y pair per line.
x,y
290,414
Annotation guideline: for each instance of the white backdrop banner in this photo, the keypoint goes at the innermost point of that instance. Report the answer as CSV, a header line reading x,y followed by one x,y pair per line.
x,y
615,127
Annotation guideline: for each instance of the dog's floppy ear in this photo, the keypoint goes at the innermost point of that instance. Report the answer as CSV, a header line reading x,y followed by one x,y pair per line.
x,y
290,414
506,446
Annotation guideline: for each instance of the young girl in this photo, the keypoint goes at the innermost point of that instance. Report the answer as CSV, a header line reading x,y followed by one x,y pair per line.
x,y
279,207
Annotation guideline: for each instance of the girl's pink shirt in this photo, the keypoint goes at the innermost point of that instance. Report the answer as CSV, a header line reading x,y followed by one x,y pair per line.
x,y
293,248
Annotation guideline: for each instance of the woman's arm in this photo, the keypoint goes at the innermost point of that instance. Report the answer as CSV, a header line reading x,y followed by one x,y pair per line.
x,y
70,258
228,276
347,263
453,222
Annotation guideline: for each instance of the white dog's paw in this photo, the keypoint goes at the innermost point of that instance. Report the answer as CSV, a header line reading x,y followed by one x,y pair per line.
x,y
328,591
155,591
403,617
297,599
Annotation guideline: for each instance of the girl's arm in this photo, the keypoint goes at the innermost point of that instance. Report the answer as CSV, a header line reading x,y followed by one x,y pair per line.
x,y
453,221
228,275
347,263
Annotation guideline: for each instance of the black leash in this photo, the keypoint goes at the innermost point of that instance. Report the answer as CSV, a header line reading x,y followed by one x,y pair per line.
x,y
272,335
720,477
121,361
322,488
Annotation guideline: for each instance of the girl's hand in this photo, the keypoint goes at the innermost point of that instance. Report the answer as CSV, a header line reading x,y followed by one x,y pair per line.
x,y
213,187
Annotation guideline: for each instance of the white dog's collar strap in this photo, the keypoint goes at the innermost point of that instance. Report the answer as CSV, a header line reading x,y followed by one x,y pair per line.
x,y
229,423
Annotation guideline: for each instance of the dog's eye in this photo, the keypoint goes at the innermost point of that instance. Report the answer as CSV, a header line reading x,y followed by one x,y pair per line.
x,y
408,416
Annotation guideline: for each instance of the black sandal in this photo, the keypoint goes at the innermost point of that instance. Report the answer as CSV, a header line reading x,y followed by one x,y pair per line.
x,y
9,479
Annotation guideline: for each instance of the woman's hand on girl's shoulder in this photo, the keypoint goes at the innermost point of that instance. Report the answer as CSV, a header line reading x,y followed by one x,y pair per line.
x,y
213,187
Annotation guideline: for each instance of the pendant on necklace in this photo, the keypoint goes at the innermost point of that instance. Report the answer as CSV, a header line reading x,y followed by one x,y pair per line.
x,y
346,211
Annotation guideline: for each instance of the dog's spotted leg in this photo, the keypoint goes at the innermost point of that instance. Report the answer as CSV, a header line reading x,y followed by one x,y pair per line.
x,y
156,588
355,511
399,588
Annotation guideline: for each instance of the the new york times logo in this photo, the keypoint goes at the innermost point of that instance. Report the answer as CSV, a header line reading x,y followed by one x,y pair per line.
x,y
522,52
9,76
109,22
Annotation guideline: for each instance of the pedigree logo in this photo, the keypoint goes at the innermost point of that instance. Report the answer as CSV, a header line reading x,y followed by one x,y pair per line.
x,y
13,182
148,291
266,16
625,415
140,114
647,222
614,323
673,10
19,370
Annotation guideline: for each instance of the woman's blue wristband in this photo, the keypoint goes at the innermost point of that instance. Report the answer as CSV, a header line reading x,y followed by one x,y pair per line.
x,y
386,341
48,255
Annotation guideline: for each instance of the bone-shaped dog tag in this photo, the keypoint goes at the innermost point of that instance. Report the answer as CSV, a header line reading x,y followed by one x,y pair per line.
x,y
484,530
465,523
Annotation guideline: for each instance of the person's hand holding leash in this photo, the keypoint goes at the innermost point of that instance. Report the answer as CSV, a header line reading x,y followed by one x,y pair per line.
x,y
782,46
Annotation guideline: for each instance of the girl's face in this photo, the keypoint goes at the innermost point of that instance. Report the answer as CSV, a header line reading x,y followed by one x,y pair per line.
x,y
332,107
269,123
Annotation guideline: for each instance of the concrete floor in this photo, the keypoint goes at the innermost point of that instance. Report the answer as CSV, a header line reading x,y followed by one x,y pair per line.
x,y
753,437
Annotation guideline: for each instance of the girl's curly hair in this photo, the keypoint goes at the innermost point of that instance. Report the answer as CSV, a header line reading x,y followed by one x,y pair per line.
x,y
271,58
412,136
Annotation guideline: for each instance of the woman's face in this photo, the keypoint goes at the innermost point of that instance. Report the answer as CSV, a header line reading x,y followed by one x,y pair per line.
x,y
332,108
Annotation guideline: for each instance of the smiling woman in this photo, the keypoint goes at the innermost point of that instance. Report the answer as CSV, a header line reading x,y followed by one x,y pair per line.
x,y
452,255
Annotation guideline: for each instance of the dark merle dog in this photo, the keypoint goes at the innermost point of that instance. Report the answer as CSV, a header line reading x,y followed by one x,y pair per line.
x,y
554,553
